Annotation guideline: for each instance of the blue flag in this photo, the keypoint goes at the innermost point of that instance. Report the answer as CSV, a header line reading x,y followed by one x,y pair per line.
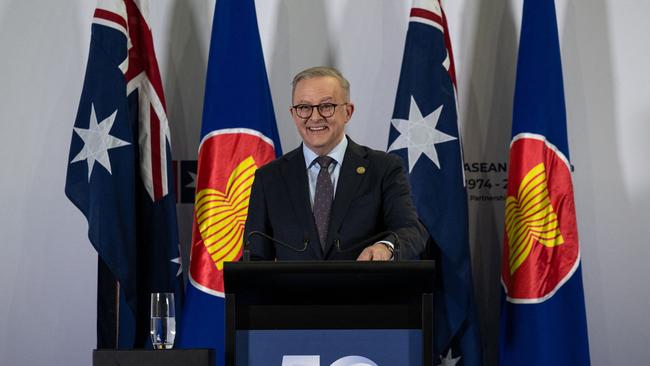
x,y
238,135
424,133
543,319
119,172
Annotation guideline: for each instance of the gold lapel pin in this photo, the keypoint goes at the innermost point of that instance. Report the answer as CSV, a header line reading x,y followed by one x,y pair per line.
x,y
361,170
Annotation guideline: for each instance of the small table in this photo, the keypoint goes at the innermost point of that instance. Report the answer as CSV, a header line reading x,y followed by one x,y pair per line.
x,y
146,357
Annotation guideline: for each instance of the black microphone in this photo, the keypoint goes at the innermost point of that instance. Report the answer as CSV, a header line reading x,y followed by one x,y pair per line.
x,y
247,244
372,240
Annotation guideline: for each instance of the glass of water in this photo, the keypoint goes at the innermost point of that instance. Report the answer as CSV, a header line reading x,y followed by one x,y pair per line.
x,y
163,320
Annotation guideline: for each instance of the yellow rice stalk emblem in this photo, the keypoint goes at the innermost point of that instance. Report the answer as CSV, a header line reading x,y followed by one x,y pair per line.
x,y
530,218
221,216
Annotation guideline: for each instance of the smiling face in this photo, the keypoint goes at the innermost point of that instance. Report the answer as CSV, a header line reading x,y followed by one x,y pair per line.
x,y
320,134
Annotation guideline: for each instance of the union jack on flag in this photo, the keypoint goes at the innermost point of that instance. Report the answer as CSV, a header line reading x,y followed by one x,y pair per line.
x,y
119,172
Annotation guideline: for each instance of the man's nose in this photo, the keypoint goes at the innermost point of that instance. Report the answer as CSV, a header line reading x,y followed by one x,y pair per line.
x,y
315,114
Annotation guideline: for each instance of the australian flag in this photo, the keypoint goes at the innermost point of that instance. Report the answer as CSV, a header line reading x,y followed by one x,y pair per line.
x,y
119,168
543,319
238,135
424,133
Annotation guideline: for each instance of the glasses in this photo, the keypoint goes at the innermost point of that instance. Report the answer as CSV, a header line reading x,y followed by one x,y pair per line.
x,y
326,110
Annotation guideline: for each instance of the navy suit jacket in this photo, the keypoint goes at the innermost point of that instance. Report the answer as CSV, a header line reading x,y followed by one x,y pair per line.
x,y
372,196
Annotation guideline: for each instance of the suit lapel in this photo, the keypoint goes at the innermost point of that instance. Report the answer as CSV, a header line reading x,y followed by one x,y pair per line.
x,y
294,174
346,188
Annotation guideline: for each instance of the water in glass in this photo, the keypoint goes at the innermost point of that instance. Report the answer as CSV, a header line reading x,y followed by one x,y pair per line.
x,y
163,320
163,332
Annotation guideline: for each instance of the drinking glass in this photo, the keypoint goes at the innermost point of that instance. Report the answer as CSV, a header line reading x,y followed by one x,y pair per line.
x,y
163,320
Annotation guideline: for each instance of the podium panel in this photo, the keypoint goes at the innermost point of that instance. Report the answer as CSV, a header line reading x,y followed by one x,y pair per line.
x,y
324,347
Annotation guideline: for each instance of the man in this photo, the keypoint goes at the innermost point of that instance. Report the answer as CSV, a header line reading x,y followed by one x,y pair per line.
x,y
331,198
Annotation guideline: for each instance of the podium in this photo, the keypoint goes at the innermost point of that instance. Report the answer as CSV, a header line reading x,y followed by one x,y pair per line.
x,y
389,303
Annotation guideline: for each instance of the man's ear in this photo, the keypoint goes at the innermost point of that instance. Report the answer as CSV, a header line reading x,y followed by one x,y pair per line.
x,y
349,108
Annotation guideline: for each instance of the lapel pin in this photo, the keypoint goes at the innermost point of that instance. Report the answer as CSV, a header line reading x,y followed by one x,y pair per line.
x,y
361,170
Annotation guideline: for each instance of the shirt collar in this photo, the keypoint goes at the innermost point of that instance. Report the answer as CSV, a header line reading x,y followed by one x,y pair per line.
x,y
337,153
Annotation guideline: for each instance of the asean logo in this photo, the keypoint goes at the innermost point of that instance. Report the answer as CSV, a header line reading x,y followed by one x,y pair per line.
x,y
541,250
227,163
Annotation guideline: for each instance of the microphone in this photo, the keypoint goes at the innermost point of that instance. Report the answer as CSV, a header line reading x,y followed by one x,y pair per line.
x,y
372,240
247,244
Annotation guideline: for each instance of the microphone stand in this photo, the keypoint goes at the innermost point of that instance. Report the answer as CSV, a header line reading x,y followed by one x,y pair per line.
x,y
247,254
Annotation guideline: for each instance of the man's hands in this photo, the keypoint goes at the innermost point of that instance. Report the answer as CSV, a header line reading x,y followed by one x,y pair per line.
x,y
376,252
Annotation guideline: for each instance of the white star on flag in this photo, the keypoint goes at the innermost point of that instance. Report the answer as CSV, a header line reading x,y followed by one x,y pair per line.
x,y
97,141
177,260
419,135
449,360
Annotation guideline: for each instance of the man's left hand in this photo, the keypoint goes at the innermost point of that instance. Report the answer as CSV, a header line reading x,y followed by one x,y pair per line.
x,y
376,252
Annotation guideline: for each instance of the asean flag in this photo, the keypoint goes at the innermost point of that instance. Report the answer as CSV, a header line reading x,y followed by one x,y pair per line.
x,y
238,135
543,319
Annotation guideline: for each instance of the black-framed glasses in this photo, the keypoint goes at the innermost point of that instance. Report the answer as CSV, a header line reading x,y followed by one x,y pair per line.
x,y
326,110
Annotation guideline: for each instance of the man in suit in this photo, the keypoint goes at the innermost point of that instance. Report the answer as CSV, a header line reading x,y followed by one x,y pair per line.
x,y
330,198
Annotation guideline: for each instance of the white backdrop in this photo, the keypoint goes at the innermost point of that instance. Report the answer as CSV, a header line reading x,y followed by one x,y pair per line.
x,y
48,268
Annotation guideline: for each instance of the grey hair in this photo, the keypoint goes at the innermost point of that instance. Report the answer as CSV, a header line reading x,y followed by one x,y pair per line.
x,y
322,71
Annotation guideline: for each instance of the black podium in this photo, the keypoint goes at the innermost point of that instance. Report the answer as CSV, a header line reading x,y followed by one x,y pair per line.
x,y
329,295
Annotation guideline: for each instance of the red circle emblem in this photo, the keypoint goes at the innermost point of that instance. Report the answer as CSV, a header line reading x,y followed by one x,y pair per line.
x,y
227,163
541,249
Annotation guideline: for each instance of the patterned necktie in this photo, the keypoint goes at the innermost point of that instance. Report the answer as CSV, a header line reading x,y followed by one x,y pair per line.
x,y
323,198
